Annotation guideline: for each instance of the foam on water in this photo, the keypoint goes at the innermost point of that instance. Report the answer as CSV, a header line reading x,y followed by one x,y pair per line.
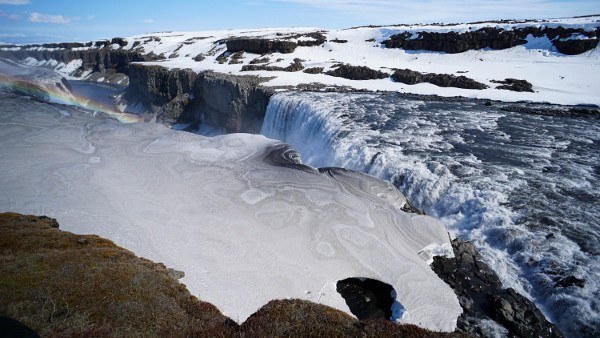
x,y
524,188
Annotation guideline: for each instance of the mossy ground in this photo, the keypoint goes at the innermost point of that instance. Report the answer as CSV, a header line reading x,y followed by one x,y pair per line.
x,y
63,284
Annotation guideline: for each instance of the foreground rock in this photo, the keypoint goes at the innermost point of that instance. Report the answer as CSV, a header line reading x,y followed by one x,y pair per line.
x,y
61,284
482,296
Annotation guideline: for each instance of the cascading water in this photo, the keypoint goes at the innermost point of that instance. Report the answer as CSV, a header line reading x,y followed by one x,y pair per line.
x,y
523,188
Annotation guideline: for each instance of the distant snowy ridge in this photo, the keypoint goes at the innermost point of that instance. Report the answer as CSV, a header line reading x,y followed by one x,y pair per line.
x,y
290,57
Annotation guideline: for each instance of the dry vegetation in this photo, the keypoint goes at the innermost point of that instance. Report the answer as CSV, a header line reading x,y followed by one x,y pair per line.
x,y
62,284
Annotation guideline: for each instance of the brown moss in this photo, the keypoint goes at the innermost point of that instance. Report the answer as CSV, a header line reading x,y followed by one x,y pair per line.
x,y
61,284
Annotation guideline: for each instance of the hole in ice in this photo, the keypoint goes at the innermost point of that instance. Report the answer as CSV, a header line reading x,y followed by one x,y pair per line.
x,y
370,299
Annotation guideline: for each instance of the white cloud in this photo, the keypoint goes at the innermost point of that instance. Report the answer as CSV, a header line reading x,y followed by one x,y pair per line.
x,y
10,16
14,2
8,35
402,11
91,17
47,18
148,21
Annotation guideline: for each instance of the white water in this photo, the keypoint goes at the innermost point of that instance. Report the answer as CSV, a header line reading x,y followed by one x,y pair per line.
x,y
523,188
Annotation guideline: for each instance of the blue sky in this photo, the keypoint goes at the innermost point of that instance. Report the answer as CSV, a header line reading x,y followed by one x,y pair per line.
x,y
24,21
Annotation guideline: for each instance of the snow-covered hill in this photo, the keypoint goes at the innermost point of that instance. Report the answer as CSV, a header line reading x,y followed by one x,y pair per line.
x,y
495,51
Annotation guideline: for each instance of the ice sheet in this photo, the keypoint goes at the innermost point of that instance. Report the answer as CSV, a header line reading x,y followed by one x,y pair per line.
x,y
243,231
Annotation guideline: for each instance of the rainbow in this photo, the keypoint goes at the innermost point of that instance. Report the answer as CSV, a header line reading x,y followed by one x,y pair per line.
x,y
59,94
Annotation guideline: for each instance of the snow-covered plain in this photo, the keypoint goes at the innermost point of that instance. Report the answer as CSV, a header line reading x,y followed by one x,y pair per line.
x,y
244,231
556,78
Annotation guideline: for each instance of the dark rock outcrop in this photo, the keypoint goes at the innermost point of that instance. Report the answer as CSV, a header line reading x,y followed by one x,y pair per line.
x,y
482,296
260,46
295,66
122,42
102,61
515,85
318,39
357,73
412,77
558,112
575,46
566,40
314,70
234,103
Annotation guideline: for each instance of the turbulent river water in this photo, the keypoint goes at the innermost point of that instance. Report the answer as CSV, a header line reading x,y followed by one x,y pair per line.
x,y
524,188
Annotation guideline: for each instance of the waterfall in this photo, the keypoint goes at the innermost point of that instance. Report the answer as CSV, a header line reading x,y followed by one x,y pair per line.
x,y
492,176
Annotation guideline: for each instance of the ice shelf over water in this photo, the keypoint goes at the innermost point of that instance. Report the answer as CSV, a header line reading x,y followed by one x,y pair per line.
x,y
244,231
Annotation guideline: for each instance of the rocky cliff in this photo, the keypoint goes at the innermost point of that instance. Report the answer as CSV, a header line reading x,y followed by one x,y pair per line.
x,y
111,64
570,41
234,103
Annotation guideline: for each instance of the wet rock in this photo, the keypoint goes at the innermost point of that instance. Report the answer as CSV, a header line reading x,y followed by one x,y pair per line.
x,y
570,281
412,77
357,73
482,297
514,85
558,111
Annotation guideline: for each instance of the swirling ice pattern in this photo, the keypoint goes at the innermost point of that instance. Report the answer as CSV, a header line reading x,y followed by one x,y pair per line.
x,y
243,230
524,188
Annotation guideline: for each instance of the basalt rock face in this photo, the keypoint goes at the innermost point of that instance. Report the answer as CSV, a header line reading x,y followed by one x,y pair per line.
x,y
260,46
482,296
233,103
412,77
103,60
566,40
